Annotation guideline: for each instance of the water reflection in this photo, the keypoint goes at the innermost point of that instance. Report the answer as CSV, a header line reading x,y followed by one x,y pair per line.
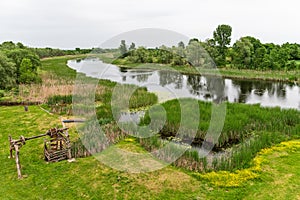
x,y
170,77
208,88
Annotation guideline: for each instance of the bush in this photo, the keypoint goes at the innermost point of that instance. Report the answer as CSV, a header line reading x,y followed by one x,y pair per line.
x,y
2,93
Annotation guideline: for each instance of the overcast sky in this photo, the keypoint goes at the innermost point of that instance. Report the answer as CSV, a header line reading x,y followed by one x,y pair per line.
x,y
88,23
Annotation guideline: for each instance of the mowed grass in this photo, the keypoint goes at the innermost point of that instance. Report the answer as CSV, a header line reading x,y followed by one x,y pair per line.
x,y
87,178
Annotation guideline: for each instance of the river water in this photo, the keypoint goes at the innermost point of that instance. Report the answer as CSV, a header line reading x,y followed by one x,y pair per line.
x,y
171,84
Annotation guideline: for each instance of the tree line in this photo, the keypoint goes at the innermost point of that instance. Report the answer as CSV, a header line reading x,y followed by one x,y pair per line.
x,y
246,53
19,64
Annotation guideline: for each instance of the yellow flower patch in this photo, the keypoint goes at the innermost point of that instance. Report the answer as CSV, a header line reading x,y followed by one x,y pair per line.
x,y
238,177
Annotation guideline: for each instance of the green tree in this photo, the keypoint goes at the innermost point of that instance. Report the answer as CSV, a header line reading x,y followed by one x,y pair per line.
x,y
78,49
123,48
9,45
279,58
180,49
193,40
243,51
181,45
17,56
28,73
132,47
7,72
20,45
222,37
210,46
258,58
198,56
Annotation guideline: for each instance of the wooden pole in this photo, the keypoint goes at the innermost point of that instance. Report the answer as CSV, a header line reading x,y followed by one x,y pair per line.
x,y
10,147
18,161
38,136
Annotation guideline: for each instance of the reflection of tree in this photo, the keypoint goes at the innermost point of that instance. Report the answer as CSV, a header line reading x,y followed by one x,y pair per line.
x,y
142,77
210,87
245,89
277,88
216,87
198,86
169,77
259,88
122,69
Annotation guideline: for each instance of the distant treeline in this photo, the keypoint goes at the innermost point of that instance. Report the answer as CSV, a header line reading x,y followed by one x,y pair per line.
x,y
19,64
49,52
246,53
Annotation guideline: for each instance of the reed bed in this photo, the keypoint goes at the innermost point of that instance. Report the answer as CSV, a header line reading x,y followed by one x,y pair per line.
x,y
91,142
240,122
41,92
247,130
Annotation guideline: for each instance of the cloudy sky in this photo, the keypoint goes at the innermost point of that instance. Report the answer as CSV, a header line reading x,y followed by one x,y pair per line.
x,y
88,23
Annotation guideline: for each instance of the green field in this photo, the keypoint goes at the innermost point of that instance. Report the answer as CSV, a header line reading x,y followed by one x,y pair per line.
x,y
274,173
277,178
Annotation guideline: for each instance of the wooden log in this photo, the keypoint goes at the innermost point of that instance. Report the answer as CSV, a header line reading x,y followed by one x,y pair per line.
x,y
18,161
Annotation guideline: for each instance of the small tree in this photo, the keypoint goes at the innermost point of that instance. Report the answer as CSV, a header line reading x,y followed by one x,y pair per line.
x,y
197,55
132,47
27,72
181,45
123,48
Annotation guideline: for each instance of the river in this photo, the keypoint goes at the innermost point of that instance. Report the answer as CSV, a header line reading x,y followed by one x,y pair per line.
x,y
171,84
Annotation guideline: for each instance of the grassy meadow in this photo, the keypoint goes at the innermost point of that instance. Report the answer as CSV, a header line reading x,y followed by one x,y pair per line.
x,y
271,171
275,176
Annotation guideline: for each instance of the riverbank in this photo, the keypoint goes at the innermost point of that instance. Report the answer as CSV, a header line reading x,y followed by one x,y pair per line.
x,y
292,76
270,75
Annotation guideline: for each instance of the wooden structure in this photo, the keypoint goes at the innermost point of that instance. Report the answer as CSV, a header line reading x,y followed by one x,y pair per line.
x,y
55,149
58,147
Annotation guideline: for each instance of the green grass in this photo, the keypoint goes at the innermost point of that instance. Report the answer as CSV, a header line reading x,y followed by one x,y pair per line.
x,y
277,178
87,178
57,67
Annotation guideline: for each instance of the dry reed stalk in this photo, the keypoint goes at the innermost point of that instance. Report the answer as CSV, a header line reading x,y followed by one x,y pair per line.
x,y
50,87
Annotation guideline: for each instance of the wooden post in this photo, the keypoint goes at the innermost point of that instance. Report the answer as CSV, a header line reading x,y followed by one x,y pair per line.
x,y
18,161
10,147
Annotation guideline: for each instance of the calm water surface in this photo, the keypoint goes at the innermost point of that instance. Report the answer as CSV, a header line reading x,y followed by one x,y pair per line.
x,y
171,84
